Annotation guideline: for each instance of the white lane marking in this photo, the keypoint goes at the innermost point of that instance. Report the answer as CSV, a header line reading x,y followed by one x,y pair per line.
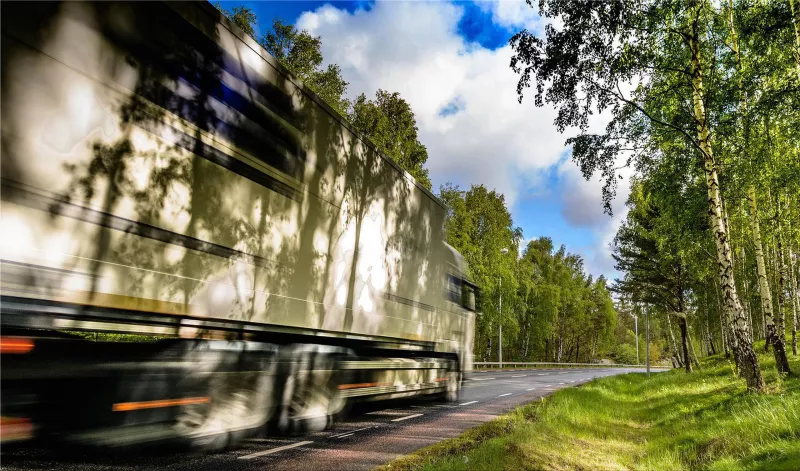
x,y
506,394
483,379
350,433
518,376
543,374
562,383
572,381
406,417
468,403
345,435
274,450
531,389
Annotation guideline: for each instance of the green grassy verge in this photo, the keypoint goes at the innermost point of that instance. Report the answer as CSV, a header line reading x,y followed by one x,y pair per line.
x,y
670,421
488,369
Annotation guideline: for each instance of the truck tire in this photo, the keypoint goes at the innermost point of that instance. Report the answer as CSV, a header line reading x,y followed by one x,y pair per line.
x,y
311,398
239,379
454,383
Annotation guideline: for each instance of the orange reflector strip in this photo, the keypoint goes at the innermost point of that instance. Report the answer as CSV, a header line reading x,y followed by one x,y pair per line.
x,y
15,428
15,345
362,385
440,379
128,406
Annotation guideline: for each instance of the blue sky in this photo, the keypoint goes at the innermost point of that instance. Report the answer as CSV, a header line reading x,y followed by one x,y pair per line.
x,y
450,61
476,24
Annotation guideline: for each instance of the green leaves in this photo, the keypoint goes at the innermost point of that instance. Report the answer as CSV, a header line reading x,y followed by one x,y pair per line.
x,y
552,310
390,124
242,17
301,53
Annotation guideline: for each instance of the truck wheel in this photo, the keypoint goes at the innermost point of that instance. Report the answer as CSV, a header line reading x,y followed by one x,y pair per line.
x,y
453,392
239,387
311,399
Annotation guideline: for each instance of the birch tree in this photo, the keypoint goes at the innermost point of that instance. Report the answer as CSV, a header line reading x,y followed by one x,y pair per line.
x,y
585,66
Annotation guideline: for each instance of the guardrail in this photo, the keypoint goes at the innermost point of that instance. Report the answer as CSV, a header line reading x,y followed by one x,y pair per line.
x,y
511,364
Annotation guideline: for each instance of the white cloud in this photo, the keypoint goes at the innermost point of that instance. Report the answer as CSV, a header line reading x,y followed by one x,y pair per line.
x,y
512,13
414,48
582,207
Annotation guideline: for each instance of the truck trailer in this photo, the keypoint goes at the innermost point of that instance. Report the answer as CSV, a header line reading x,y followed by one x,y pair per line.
x,y
195,247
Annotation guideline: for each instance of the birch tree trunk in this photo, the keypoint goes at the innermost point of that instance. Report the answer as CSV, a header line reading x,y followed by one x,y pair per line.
x,y
747,306
780,317
709,337
734,313
795,300
793,289
691,346
687,361
675,353
763,283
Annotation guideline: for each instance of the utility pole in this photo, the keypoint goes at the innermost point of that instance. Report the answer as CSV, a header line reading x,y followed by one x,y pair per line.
x,y
500,343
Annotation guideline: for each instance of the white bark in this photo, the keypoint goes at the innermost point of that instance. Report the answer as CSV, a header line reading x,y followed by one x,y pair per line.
x,y
743,346
761,267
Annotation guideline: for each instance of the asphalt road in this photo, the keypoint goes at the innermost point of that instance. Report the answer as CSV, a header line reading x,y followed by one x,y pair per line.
x,y
373,435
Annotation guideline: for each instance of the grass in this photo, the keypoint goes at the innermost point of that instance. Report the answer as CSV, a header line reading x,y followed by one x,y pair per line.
x,y
549,366
670,421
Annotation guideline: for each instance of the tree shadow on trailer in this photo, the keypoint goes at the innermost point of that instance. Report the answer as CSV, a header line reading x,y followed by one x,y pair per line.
x,y
169,167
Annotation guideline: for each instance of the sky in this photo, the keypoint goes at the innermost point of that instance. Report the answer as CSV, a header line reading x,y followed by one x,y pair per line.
x,y
450,61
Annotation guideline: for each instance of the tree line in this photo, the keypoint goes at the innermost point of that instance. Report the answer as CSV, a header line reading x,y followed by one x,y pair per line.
x,y
704,103
552,310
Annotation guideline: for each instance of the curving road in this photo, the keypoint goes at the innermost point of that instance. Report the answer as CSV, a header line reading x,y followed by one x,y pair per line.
x,y
372,435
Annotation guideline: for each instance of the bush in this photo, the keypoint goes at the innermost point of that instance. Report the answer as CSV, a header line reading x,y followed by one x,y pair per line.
x,y
625,353
655,353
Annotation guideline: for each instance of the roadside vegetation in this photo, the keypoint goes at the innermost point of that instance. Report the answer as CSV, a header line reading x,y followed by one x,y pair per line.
x,y
701,100
670,421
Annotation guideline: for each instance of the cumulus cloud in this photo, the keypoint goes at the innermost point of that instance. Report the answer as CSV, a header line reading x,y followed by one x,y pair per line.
x,y
414,48
583,207
464,97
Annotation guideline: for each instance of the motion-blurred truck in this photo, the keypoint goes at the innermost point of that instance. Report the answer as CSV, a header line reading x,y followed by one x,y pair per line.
x,y
195,247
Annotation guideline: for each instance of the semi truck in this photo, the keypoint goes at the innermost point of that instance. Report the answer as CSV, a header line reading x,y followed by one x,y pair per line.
x,y
196,247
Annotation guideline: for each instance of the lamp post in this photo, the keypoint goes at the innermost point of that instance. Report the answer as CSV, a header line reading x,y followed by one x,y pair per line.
x,y
500,322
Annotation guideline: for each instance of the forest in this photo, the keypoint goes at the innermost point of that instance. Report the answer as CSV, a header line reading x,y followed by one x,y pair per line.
x,y
701,99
